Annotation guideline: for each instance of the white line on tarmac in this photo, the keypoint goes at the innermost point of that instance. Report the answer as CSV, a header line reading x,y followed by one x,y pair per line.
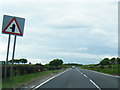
x,y
85,75
49,80
91,81
95,84
79,71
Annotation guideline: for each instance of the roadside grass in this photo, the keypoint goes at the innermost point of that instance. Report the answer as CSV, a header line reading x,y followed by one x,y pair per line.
x,y
18,80
108,71
113,70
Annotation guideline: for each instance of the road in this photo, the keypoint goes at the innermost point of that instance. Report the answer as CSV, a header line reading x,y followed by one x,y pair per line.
x,y
81,78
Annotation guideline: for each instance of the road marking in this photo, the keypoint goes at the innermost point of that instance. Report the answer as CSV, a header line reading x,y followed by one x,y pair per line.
x,y
79,71
49,79
85,75
95,84
90,80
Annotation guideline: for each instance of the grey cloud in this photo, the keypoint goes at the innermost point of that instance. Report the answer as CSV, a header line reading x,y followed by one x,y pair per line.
x,y
69,26
57,30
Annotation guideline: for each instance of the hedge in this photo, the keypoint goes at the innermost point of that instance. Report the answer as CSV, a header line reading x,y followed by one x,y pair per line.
x,y
21,70
26,69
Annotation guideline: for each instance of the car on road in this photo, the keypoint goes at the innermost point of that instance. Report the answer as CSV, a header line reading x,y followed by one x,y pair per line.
x,y
73,67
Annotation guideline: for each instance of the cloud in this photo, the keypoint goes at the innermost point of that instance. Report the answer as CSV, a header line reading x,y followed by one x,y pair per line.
x,y
83,48
80,57
105,38
68,22
67,57
68,29
23,1
99,32
42,61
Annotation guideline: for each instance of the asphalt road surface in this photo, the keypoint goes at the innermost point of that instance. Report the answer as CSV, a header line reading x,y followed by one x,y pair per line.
x,y
81,78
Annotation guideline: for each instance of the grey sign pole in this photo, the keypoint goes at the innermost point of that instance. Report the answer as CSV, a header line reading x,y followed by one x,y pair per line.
x,y
6,64
13,55
14,49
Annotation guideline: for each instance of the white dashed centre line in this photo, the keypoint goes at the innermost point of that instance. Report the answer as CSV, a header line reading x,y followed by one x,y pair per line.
x,y
85,75
90,80
95,84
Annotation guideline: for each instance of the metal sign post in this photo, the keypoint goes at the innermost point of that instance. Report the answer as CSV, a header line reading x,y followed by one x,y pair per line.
x,y
13,56
7,56
14,49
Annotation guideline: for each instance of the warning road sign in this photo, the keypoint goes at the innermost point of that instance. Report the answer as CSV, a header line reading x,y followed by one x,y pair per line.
x,y
13,25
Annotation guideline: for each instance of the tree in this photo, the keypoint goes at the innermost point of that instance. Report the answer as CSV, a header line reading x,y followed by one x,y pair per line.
x,y
39,64
23,60
10,61
16,61
56,62
2,62
112,60
30,63
105,61
118,60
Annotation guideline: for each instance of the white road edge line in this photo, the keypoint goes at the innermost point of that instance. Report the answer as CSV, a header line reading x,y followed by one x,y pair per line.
x,y
95,84
49,80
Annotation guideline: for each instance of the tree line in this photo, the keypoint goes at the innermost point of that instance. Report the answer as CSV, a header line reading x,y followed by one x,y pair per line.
x,y
16,61
112,61
53,63
18,69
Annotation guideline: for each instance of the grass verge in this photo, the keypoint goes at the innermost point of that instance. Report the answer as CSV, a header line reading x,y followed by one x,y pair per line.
x,y
18,80
108,69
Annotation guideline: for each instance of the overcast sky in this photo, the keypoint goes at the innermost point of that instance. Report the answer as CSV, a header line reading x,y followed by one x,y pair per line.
x,y
76,31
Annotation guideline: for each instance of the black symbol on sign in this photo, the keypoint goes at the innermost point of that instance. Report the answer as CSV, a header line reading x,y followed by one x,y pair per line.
x,y
13,28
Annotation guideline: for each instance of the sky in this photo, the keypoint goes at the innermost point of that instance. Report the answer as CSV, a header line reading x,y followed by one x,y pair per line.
x,y
76,31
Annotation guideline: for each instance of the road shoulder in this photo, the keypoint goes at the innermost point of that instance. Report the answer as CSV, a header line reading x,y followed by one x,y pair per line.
x,y
34,83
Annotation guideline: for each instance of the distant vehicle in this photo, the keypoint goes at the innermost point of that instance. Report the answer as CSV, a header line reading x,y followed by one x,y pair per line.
x,y
73,67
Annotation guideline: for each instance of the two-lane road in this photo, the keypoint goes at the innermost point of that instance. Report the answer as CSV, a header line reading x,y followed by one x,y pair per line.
x,y
81,78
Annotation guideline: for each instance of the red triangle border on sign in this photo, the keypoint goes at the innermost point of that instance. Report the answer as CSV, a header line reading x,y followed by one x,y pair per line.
x,y
12,32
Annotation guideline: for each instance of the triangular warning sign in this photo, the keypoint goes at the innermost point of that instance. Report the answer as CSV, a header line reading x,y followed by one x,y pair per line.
x,y
13,28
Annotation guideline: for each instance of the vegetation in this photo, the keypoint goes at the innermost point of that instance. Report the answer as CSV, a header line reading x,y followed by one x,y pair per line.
x,y
23,72
105,61
18,61
112,61
19,80
2,62
26,72
110,66
56,63
20,68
